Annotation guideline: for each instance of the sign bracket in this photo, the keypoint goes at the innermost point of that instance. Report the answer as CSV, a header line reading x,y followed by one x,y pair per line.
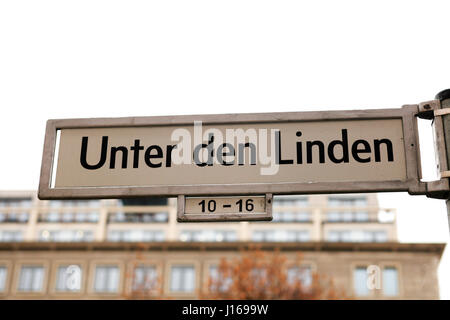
x,y
433,110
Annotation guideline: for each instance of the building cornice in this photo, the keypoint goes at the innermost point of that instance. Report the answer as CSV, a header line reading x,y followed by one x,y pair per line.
x,y
436,248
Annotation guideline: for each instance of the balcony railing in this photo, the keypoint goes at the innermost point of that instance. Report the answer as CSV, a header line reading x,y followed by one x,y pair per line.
x,y
293,214
68,215
358,215
110,217
283,213
138,214
22,217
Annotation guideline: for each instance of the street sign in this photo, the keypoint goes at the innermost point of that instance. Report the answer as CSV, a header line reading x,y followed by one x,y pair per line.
x,y
227,208
245,154
225,205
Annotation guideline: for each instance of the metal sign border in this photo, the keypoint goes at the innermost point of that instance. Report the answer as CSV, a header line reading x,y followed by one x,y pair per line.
x,y
224,217
407,114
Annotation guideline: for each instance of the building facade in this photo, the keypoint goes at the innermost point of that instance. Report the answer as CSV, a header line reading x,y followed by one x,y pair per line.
x,y
94,249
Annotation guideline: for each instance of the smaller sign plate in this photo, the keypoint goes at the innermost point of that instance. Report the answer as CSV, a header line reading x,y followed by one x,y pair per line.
x,y
229,208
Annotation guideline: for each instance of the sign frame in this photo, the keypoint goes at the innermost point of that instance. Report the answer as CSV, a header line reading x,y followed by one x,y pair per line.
x,y
224,217
407,114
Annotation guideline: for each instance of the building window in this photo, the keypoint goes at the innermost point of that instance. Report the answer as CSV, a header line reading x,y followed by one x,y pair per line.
x,y
49,217
347,213
139,217
380,236
3,273
300,273
208,235
10,236
259,277
136,235
182,278
360,281
362,216
15,206
218,282
290,201
281,235
333,216
69,217
356,236
291,206
31,278
14,217
288,216
297,236
107,278
74,204
145,278
333,236
69,278
348,216
347,236
347,201
291,216
68,211
66,235
390,281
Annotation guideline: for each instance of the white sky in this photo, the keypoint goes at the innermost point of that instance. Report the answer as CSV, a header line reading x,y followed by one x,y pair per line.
x,y
66,59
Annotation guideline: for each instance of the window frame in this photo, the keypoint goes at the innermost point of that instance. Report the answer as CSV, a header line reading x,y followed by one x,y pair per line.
x,y
206,274
141,230
182,262
303,263
92,273
9,271
61,228
370,292
45,264
398,266
12,228
136,263
360,263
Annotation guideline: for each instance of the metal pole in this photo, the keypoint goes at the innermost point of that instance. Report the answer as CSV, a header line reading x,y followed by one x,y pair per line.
x,y
444,97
